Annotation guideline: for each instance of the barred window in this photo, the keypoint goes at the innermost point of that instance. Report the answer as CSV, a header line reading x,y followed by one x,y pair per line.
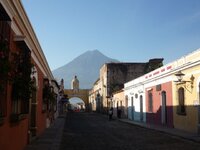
x,y
20,106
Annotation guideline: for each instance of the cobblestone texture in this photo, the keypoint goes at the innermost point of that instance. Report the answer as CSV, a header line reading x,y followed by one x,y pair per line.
x,y
90,131
50,139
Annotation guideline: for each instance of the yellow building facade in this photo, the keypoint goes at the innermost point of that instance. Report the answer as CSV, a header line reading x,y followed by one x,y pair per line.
x,y
119,102
186,93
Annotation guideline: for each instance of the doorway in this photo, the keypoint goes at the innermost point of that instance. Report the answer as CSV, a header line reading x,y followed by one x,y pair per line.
x,y
163,108
141,108
132,108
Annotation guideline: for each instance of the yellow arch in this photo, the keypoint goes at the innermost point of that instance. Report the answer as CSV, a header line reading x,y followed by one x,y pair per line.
x,y
80,93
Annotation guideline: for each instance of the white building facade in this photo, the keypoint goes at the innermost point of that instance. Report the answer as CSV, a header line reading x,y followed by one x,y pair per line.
x,y
134,92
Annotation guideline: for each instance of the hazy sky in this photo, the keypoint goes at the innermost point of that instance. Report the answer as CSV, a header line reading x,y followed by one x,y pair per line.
x,y
127,30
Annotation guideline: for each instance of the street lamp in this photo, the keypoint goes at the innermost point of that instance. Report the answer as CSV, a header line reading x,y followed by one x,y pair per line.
x,y
179,76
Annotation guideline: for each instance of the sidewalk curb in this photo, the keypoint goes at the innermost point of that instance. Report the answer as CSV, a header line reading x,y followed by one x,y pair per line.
x,y
170,131
52,142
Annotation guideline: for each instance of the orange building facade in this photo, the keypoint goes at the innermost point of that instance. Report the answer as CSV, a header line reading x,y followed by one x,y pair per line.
x,y
27,97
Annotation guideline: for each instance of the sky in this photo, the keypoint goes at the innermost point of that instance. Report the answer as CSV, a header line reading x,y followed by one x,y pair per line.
x,y
126,30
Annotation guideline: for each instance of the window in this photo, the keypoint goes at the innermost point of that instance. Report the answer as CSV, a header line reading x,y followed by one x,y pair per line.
x,y
20,106
150,105
22,81
181,102
49,97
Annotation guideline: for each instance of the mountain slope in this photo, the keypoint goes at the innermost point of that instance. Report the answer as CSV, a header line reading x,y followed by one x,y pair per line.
x,y
86,67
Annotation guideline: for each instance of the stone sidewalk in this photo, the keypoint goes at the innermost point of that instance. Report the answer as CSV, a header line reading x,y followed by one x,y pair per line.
x,y
51,138
171,131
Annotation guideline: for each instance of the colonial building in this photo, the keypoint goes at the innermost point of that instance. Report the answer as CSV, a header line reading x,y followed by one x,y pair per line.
x,y
169,95
27,88
135,97
114,75
150,97
95,99
186,95
158,94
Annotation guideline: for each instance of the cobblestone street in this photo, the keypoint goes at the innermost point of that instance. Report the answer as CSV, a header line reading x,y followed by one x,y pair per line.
x,y
90,131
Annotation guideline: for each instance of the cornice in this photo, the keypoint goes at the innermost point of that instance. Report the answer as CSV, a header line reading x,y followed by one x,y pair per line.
x,y
7,6
168,74
21,25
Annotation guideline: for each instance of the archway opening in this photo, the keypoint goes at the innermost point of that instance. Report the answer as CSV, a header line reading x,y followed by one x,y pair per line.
x,y
76,105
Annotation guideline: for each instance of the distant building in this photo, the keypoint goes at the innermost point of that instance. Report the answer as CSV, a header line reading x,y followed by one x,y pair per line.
x,y
95,98
114,75
119,104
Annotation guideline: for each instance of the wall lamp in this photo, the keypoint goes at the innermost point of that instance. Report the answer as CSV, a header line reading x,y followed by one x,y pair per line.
x,y
180,76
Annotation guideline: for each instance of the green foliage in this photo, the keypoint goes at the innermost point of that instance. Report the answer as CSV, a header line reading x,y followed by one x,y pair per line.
x,y
21,72
48,95
153,64
4,65
46,92
4,62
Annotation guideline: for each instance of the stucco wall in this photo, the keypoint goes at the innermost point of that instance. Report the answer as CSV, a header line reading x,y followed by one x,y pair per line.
x,y
118,100
155,117
189,121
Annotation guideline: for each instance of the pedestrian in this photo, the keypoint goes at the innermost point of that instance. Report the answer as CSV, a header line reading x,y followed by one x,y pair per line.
x,y
119,113
110,113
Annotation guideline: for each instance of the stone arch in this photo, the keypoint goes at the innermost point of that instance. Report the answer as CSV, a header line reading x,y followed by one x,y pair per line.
x,y
77,103
81,93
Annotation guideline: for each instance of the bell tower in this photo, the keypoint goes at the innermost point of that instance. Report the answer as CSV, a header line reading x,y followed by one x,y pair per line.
x,y
75,84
